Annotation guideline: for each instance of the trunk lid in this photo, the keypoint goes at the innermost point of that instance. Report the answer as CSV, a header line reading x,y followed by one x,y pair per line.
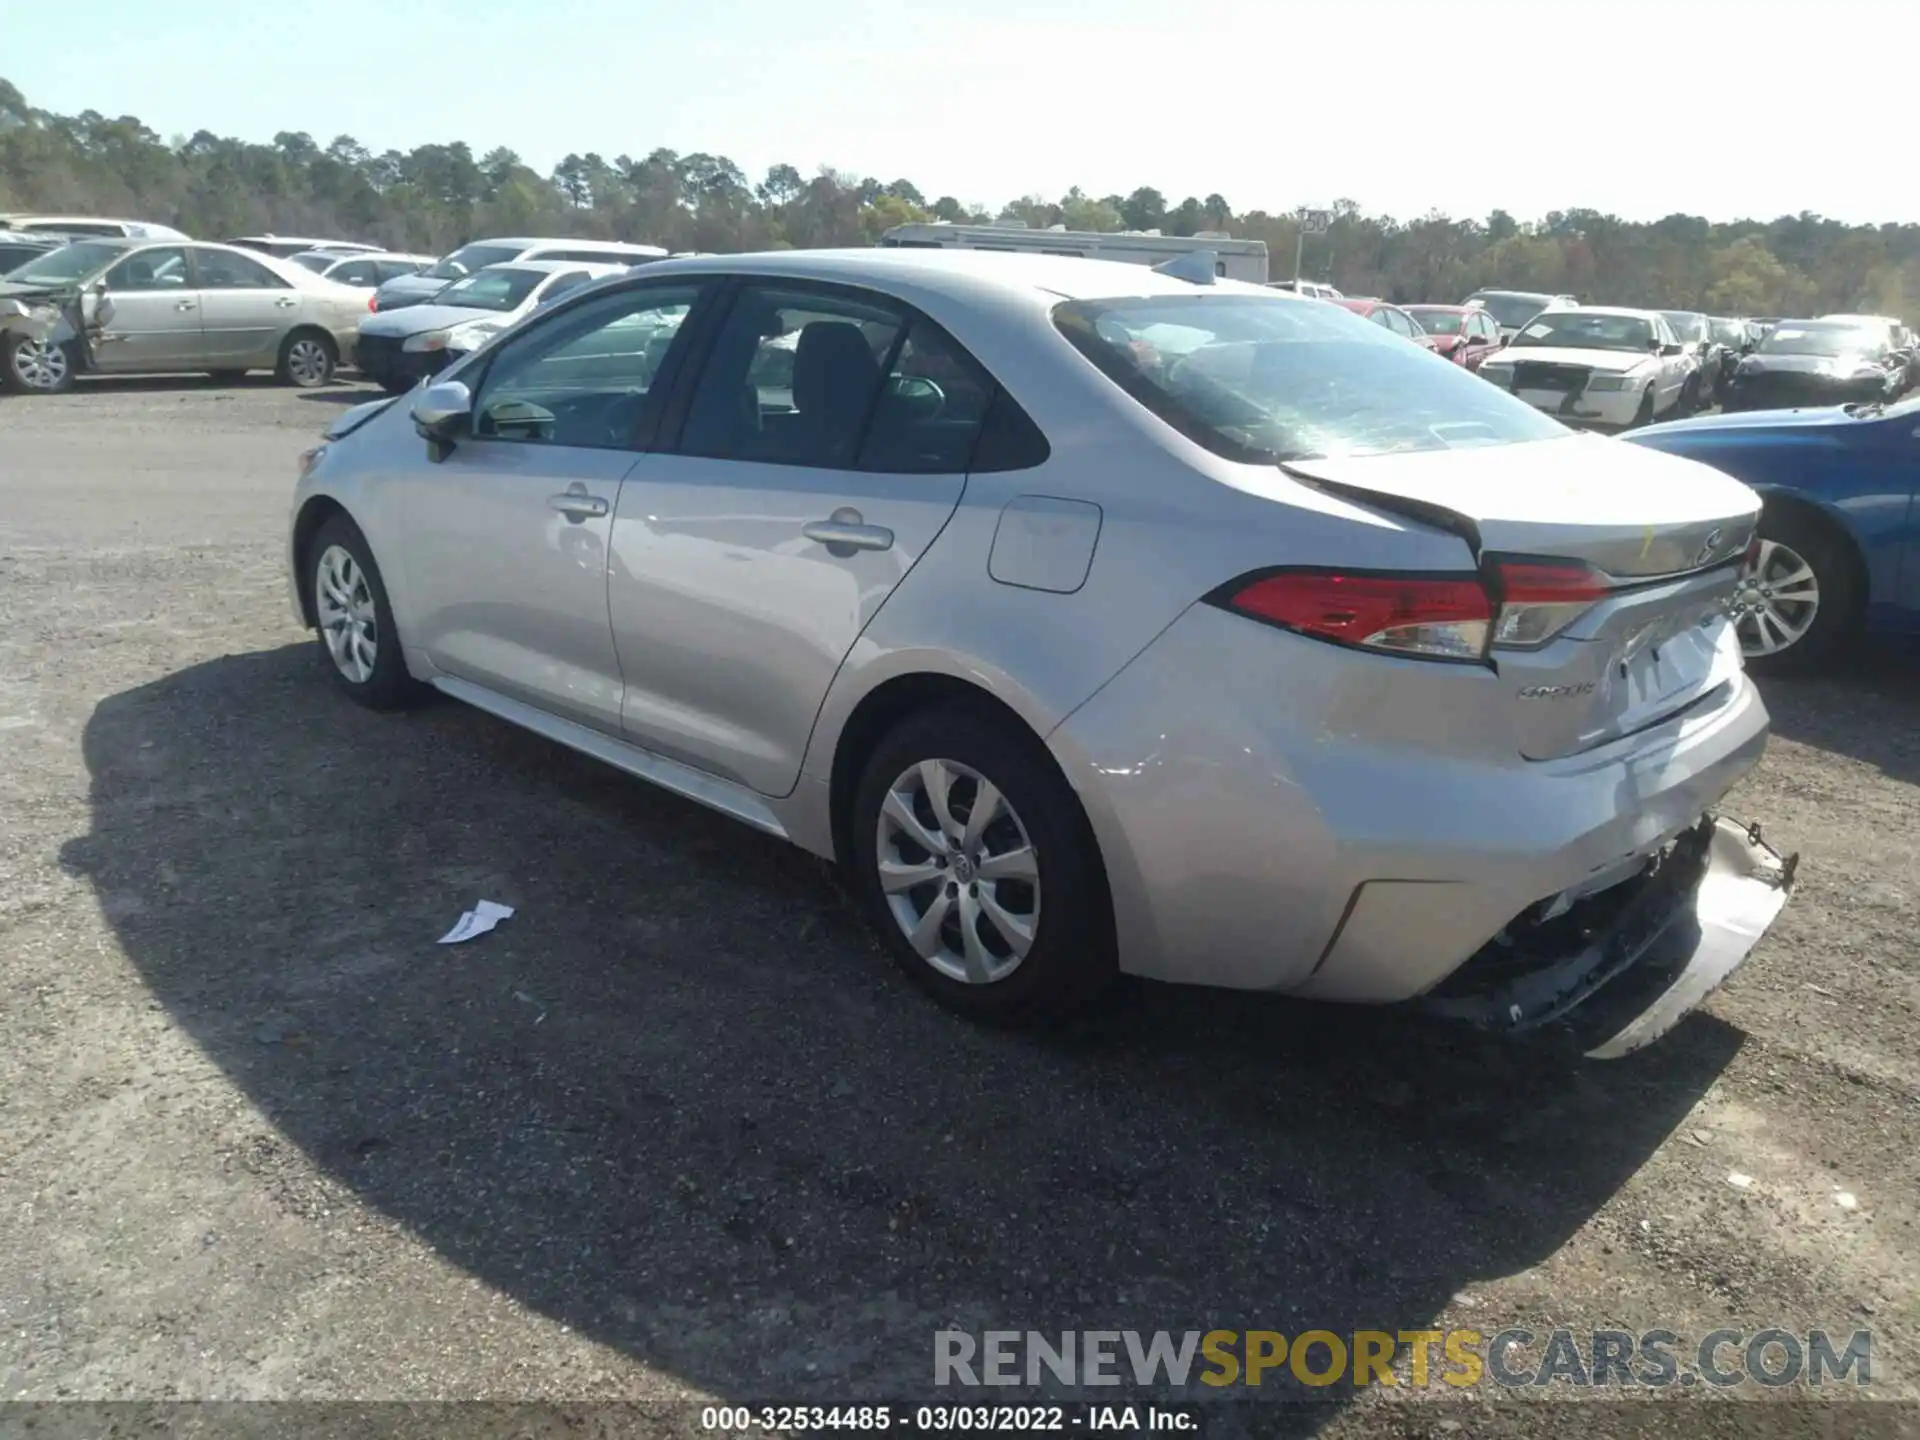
x,y
1666,532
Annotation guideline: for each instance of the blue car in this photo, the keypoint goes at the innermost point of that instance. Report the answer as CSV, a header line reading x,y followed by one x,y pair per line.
x,y
1839,543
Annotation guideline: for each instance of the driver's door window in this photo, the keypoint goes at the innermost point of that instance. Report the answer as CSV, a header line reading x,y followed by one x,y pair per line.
x,y
586,378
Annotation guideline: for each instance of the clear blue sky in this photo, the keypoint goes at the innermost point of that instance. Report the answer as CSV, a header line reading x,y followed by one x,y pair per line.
x,y
1641,107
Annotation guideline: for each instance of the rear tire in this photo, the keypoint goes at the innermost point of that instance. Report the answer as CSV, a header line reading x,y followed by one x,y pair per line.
x,y
1803,599
35,367
1029,877
358,641
307,359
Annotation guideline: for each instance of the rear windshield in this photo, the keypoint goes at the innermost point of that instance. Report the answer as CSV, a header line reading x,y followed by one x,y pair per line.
x,y
1260,378
469,258
1438,322
1512,310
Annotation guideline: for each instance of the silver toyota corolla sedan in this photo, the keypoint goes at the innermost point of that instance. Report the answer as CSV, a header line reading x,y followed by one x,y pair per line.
x,y
1098,620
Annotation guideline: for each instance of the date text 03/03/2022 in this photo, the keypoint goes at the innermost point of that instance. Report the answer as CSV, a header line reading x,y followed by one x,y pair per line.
x,y
941,1419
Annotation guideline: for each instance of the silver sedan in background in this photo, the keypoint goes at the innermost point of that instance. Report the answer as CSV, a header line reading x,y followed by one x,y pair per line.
x,y
140,307
1097,620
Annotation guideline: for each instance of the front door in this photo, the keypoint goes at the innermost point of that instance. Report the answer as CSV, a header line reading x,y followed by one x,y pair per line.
x,y
825,445
244,308
506,538
151,316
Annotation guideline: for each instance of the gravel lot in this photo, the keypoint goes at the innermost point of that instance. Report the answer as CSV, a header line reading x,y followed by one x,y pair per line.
x,y
678,1130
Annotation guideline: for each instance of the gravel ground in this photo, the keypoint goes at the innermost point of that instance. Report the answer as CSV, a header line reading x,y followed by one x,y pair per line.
x,y
677,1130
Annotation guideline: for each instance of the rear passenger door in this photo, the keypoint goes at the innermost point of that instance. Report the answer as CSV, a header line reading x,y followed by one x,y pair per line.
x,y
817,454
244,308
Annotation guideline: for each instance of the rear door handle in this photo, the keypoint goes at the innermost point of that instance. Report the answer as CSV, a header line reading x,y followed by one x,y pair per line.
x,y
183,305
576,504
846,531
286,304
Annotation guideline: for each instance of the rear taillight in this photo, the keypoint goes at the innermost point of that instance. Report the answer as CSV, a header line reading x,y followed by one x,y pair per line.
x,y
1540,598
1433,617
373,302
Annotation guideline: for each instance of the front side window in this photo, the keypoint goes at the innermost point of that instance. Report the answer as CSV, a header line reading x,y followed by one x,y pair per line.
x,y
224,270
160,268
1688,328
583,378
793,378
1262,379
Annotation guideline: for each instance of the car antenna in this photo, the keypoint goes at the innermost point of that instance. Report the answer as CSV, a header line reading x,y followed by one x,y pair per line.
x,y
1196,266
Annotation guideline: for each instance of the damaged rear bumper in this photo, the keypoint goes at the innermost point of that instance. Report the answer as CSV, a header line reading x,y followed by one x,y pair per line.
x,y
1622,968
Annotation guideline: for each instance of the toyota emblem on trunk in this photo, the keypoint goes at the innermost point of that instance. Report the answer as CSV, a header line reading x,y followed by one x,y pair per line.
x,y
1712,544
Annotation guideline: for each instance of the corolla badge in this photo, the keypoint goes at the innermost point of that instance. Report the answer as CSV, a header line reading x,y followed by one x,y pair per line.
x,y
1711,544
1557,692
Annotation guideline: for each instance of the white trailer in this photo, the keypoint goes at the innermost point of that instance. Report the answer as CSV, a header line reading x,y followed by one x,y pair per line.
x,y
1234,259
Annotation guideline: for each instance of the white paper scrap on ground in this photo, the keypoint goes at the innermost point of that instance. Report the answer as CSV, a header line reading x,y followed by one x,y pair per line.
x,y
477,921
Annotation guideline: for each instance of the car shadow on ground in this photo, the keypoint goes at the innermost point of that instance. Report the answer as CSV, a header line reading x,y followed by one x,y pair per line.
x,y
346,388
680,1102
1866,707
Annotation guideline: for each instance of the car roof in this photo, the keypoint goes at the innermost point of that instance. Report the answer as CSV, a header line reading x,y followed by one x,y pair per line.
x,y
1438,305
555,267
533,242
1623,311
965,275
342,257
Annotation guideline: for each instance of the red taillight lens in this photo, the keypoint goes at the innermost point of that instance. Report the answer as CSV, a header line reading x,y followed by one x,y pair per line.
x,y
1427,617
373,302
1539,599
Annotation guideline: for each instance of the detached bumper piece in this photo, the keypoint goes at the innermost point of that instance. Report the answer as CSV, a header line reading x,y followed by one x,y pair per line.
x,y
1620,968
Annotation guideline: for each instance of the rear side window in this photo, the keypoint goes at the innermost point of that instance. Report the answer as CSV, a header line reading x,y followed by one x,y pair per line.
x,y
930,409
1262,378
1009,440
225,270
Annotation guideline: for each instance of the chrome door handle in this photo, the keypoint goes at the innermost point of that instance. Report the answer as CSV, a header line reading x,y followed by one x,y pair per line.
x,y
286,304
846,531
183,305
577,505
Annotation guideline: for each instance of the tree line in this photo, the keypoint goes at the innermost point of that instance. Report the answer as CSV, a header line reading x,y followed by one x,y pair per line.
x,y
434,197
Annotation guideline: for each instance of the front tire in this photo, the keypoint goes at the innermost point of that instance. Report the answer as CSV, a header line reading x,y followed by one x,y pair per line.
x,y
37,367
307,359
978,869
1644,415
1799,604
358,640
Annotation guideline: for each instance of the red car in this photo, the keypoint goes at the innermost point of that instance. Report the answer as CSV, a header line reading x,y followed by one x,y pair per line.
x,y
1465,334
1390,317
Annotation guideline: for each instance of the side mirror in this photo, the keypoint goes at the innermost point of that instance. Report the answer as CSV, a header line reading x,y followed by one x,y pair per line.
x,y
441,413
1670,349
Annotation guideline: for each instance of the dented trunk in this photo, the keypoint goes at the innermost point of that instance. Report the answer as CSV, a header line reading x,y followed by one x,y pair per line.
x,y
1623,567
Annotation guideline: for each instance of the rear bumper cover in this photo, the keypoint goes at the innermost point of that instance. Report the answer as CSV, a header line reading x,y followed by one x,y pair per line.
x,y
1679,932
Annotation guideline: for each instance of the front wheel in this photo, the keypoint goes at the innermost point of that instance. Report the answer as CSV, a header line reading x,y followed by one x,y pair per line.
x,y
38,367
307,358
1798,603
355,618
978,869
1644,415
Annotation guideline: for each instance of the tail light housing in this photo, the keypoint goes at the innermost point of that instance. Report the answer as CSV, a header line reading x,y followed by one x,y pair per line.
x,y
1432,617
373,302
1514,605
1540,598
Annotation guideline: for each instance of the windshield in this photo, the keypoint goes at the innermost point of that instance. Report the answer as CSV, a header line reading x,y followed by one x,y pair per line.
x,y
1588,330
1687,327
1511,311
1816,339
1436,321
469,258
1259,379
77,261
503,288
1729,332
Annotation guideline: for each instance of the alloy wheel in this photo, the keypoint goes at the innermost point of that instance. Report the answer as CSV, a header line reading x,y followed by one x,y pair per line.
x,y
959,871
1776,602
307,362
40,365
349,617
